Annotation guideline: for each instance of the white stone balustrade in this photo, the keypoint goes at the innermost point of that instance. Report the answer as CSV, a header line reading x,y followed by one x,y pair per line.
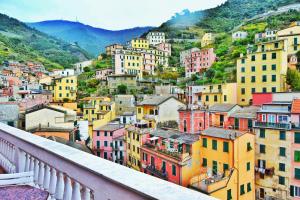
x,y
70,174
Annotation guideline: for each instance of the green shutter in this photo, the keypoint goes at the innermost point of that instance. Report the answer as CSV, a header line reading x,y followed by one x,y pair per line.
x,y
242,189
229,197
297,173
204,162
248,187
297,156
297,137
204,142
214,144
225,147
248,166
291,190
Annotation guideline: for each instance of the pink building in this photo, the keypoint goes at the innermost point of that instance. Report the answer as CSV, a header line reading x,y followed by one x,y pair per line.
x,y
149,61
198,61
165,47
103,73
30,99
108,142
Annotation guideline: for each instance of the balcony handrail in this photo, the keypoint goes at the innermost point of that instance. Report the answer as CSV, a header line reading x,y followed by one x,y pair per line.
x,y
273,125
105,179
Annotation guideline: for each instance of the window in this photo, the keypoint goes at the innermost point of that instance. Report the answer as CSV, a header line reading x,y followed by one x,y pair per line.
x,y
225,98
264,90
297,156
273,89
282,151
264,56
281,180
242,189
105,133
243,69
253,69
249,148
243,61
262,133
248,187
297,138
252,79
262,148
274,55
207,98
253,58
225,167
243,91
282,167
297,173
225,147
282,135
204,142
214,144
273,78
105,143
98,133
294,191
248,166
264,78
215,98
276,45
173,170
139,110
242,79
204,162
229,196
98,144
252,90
264,67
274,67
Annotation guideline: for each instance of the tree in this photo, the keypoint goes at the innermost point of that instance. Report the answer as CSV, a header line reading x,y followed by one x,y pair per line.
x,y
122,89
293,79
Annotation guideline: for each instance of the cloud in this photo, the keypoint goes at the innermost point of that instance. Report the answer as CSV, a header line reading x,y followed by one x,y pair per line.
x,y
110,14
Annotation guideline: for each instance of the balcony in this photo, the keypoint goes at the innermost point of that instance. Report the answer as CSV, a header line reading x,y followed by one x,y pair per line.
x,y
156,172
68,173
210,184
150,117
284,126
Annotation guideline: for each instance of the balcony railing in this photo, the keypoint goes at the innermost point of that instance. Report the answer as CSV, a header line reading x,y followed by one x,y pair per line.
x,y
68,173
158,173
285,126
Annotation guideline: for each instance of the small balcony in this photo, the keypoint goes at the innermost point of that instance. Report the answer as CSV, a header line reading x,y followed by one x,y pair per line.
x,y
156,172
264,171
150,117
68,173
209,184
282,126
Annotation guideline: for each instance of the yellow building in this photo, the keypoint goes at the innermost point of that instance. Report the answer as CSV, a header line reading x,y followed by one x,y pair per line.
x,y
64,89
219,93
135,137
139,43
292,34
227,165
262,71
207,39
133,63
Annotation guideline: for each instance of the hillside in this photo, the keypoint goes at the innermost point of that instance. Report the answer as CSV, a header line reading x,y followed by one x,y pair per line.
x,y
22,43
252,16
89,38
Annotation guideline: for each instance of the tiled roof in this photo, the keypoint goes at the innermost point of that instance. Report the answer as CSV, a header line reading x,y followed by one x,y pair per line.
x,y
296,106
246,112
222,107
176,135
222,133
109,127
155,100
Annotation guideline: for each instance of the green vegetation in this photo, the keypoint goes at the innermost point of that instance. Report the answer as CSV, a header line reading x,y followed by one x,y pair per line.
x,y
293,79
21,43
122,89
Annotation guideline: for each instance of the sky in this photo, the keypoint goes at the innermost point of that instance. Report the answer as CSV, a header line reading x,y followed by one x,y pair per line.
x,y
108,14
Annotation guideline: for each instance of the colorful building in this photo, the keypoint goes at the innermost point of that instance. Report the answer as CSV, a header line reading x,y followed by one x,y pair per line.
x,y
139,43
158,109
135,137
64,89
220,113
262,71
207,39
227,164
171,155
273,151
155,38
111,49
242,119
292,35
108,142
199,61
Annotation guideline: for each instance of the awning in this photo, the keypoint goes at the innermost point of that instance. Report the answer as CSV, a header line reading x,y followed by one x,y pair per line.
x,y
153,138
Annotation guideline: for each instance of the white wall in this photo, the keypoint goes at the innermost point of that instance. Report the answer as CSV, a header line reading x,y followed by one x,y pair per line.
x,y
168,111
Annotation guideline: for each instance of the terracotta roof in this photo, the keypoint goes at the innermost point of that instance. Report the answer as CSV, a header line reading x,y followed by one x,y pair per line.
x,y
296,106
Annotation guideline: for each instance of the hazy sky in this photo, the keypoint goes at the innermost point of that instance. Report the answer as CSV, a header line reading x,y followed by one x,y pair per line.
x,y
109,14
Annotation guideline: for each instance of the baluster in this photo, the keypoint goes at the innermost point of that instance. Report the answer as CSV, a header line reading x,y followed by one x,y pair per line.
x,y
20,160
36,172
53,181
76,191
68,189
86,194
41,175
27,165
31,164
59,192
47,178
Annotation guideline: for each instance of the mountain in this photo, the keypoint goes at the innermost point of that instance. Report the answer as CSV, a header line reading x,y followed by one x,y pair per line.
x,y
22,43
89,38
